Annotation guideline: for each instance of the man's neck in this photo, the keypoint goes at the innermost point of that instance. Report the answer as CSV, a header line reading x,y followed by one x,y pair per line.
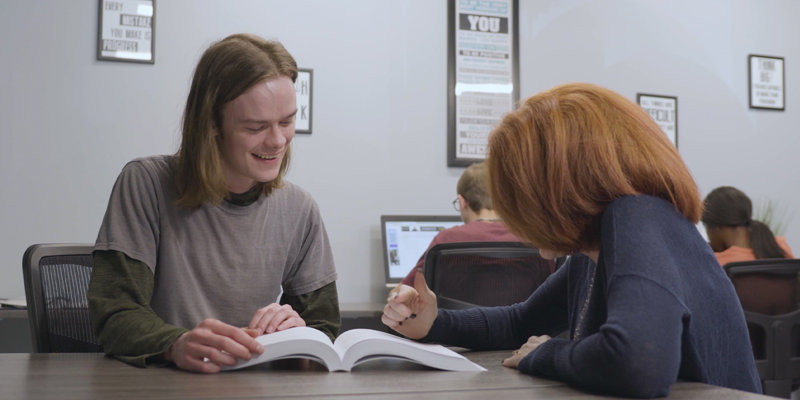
x,y
484,214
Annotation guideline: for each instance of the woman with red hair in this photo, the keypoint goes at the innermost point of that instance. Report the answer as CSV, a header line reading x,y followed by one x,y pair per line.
x,y
579,170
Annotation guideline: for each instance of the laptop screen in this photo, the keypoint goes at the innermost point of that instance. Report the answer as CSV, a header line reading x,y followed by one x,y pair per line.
x,y
405,239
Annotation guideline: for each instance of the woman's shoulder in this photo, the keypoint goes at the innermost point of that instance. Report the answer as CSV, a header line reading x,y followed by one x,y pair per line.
x,y
640,211
639,202
784,246
734,254
649,227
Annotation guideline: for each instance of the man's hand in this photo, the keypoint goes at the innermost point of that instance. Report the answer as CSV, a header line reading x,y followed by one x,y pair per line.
x,y
531,345
275,317
210,345
411,311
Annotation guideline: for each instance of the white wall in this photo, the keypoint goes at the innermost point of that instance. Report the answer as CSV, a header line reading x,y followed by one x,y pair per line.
x,y
695,50
379,144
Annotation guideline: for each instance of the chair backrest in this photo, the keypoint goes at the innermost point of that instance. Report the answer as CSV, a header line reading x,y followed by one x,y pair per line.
x,y
56,281
766,286
769,292
470,274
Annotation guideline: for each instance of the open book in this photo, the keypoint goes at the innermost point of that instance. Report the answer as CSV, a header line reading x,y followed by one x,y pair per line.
x,y
352,348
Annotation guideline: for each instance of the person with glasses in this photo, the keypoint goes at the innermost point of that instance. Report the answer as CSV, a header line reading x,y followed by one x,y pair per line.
x,y
481,223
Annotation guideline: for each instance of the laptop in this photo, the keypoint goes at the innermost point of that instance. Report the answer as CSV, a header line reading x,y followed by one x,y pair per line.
x,y
406,237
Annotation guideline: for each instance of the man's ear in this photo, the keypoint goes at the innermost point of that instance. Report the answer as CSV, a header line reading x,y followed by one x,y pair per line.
x,y
462,202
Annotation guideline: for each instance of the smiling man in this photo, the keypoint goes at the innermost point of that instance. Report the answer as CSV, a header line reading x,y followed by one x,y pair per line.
x,y
196,248
257,128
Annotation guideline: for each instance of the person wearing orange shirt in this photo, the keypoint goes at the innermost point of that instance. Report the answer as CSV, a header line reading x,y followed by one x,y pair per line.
x,y
733,233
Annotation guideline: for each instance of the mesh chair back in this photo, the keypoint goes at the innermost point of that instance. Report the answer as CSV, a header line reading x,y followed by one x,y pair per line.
x,y
766,286
769,290
56,282
473,274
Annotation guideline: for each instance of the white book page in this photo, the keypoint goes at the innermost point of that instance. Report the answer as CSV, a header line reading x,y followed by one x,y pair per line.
x,y
298,342
360,345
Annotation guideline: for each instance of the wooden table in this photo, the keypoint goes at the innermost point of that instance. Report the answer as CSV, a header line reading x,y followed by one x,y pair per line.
x,y
93,376
15,334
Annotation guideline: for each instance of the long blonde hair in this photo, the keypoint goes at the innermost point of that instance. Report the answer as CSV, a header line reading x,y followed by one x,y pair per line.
x,y
226,70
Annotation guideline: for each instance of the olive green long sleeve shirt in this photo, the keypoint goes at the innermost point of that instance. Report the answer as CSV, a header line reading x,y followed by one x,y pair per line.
x,y
128,329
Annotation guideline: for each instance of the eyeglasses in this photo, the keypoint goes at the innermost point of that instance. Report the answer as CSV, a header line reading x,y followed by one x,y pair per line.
x,y
456,204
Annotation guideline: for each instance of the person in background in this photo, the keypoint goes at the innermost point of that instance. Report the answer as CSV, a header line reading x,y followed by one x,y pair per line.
x,y
733,233
196,248
581,170
481,223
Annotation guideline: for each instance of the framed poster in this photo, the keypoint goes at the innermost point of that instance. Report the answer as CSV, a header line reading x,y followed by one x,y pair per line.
x,y
302,86
766,82
664,110
126,31
482,74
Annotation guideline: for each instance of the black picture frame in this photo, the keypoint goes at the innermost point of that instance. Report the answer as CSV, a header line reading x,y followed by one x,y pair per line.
x,y
303,86
766,82
126,31
494,106
664,110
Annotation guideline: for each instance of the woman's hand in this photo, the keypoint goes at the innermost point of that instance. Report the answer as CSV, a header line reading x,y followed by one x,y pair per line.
x,y
531,345
411,311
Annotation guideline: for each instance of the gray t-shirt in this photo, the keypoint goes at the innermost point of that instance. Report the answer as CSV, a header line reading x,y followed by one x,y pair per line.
x,y
223,261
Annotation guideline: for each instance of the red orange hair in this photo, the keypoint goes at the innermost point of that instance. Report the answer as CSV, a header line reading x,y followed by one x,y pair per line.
x,y
557,161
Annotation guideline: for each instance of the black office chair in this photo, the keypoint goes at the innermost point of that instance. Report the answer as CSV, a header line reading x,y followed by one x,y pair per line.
x,y
769,290
470,274
56,281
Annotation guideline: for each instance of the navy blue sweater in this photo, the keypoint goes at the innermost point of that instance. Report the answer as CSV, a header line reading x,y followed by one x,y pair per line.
x,y
661,309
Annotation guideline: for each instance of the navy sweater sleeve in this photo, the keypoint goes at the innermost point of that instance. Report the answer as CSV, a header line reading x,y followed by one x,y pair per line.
x,y
660,308
635,353
506,327
636,350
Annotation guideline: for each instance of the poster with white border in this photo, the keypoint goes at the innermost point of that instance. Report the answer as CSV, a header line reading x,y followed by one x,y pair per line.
x,y
664,110
766,82
302,88
125,31
483,81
